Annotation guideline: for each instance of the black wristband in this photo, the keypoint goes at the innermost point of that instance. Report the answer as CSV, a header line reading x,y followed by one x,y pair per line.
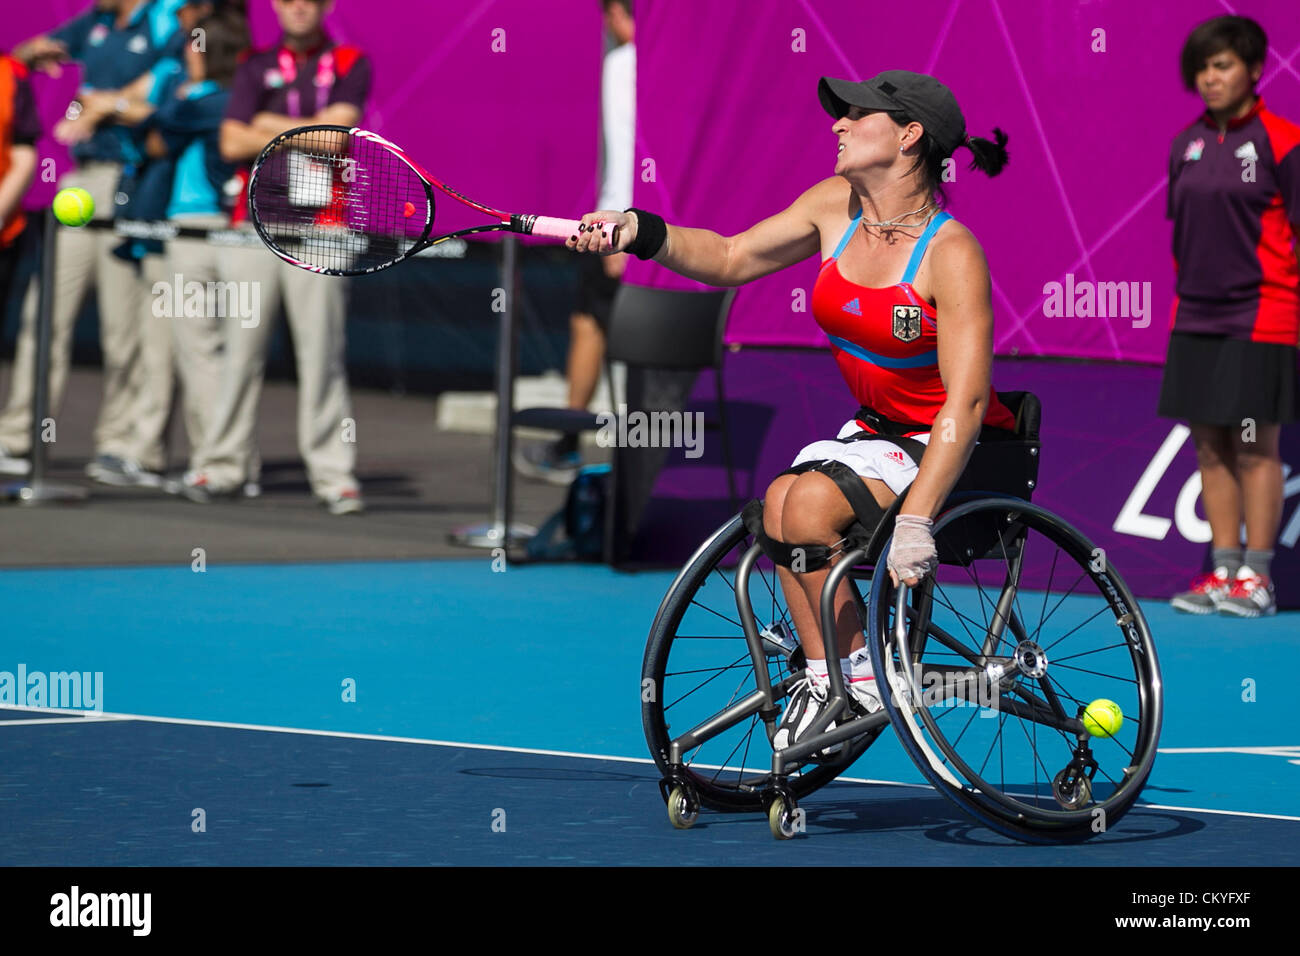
x,y
651,234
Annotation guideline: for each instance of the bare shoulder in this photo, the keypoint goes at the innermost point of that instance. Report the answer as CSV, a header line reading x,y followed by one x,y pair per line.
x,y
828,199
955,246
956,259
826,204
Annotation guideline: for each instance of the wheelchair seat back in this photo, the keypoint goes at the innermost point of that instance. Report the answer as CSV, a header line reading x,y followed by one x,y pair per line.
x,y
1002,463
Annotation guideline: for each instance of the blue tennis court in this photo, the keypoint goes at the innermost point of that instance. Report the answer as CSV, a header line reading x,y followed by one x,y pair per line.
x,y
445,713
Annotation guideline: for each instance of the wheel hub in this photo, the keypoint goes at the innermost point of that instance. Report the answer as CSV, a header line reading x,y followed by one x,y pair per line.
x,y
1030,659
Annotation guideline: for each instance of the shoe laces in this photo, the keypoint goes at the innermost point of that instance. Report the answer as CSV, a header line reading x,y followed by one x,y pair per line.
x,y
809,684
1209,582
1245,587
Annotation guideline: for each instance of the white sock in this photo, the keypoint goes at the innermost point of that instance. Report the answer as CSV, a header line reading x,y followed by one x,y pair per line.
x,y
817,668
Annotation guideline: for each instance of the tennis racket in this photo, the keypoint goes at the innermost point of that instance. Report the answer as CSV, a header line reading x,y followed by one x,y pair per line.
x,y
347,202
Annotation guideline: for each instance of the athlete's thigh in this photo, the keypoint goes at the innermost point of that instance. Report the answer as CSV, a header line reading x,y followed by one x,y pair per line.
x,y
774,503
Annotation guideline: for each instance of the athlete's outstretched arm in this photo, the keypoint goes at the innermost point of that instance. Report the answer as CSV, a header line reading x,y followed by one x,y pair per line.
x,y
701,254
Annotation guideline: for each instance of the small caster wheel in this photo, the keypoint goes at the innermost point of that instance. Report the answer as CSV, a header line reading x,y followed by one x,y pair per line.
x,y
683,808
1075,796
781,818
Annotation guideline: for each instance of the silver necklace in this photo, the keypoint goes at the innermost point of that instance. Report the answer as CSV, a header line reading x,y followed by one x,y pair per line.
x,y
899,223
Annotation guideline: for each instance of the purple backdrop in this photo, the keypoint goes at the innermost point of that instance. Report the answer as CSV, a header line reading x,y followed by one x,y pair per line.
x,y
738,133
517,129
1125,478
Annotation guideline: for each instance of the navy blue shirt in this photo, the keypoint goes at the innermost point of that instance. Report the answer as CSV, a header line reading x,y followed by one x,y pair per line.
x,y
110,59
189,119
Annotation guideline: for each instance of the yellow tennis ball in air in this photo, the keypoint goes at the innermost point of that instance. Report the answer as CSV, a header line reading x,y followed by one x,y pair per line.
x,y
1103,718
74,207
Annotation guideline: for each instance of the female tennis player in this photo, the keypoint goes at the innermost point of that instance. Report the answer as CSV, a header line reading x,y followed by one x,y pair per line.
x,y
1234,196
904,295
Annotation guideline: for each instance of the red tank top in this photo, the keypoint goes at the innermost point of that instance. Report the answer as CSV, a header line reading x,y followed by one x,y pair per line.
x,y
885,340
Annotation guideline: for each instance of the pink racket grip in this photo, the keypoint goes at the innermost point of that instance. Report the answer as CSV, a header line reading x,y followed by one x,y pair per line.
x,y
551,228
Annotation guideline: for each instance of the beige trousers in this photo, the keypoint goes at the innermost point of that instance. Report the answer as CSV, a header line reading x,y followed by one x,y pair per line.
x,y
315,307
184,322
84,258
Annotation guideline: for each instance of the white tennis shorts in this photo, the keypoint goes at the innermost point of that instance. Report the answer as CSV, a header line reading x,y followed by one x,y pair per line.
x,y
869,457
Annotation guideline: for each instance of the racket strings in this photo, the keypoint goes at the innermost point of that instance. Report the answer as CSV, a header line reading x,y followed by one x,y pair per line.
x,y
339,203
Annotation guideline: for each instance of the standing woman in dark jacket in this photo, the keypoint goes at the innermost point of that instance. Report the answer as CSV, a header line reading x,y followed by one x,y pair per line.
x,y
1234,196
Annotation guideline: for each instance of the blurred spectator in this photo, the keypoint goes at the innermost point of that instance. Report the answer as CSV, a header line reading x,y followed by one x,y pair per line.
x,y
20,128
599,279
116,42
304,79
183,142
1234,196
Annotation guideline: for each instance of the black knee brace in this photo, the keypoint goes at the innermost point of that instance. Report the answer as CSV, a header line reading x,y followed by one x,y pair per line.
x,y
814,557
798,557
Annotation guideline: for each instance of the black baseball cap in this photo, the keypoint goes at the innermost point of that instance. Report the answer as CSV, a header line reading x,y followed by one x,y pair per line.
x,y
921,97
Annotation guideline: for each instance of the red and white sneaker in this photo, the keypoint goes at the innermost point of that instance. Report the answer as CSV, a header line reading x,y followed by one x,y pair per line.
x,y
346,502
1251,596
197,487
1207,592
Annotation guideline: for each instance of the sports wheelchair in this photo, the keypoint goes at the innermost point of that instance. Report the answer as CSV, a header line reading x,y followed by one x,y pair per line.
x,y
984,669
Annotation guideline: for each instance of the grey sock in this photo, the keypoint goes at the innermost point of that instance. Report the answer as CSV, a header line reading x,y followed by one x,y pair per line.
x,y
1259,561
1229,558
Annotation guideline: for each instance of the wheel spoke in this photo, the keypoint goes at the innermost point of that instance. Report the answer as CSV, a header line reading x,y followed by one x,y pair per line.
x,y
720,672
1098,612
1063,625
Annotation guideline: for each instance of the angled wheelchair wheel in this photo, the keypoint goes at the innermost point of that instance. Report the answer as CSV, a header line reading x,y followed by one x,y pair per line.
x,y
698,675
1000,651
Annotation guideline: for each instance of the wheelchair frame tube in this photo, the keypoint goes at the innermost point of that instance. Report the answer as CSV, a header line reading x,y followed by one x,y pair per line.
x,y
1006,601
751,704
746,610
809,745
817,738
714,726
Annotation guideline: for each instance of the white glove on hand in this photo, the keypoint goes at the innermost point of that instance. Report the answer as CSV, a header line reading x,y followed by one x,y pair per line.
x,y
912,555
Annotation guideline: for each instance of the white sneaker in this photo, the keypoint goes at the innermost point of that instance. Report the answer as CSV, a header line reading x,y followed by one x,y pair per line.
x,y
123,473
12,464
196,486
1251,596
864,692
346,502
801,709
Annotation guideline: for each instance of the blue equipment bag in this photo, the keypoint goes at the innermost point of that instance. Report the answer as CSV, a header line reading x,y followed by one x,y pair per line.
x,y
582,518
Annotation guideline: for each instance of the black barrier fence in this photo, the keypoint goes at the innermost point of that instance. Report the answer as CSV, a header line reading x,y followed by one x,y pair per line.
x,y
425,326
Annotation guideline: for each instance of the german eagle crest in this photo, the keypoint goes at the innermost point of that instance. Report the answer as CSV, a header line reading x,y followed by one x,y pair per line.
x,y
907,322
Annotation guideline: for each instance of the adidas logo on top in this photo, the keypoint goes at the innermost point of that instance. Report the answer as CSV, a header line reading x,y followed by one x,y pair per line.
x,y
853,308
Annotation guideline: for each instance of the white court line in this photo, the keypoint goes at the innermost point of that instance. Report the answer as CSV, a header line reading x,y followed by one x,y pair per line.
x,y
48,720
68,711
1230,813
563,753
1286,750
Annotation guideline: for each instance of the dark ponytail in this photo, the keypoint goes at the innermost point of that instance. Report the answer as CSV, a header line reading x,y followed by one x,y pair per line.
x,y
990,157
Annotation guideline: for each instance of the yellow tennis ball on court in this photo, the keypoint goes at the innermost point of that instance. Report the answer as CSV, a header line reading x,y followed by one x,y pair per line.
x,y
74,207
1103,718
